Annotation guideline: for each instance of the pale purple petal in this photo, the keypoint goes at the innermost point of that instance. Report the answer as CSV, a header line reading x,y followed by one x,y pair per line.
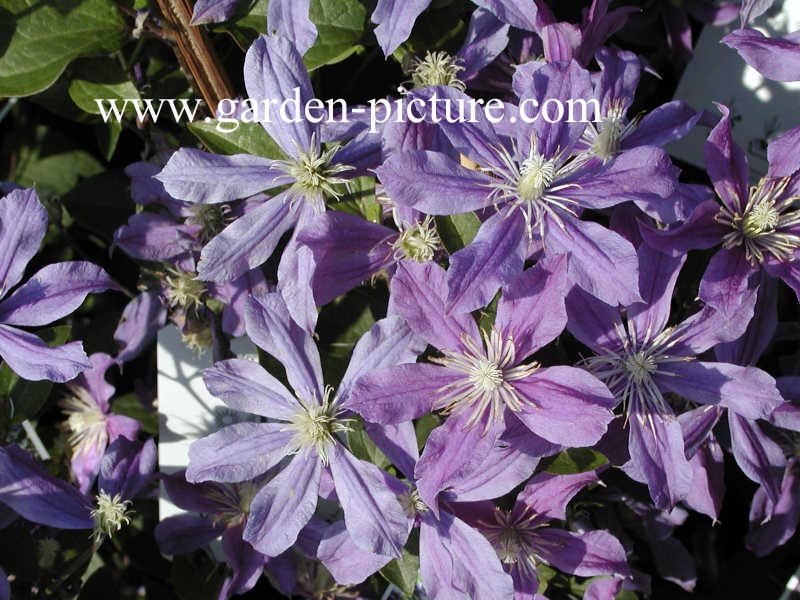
x,y
289,18
699,231
372,512
757,455
156,237
487,37
583,554
29,357
271,328
184,533
141,319
784,160
728,280
657,276
663,124
726,164
274,70
284,506
600,261
495,257
245,386
529,15
238,452
565,405
708,483
394,20
347,561
28,489
532,309
776,58
206,178
54,292
295,274
213,11
561,41
23,223
548,495
127,467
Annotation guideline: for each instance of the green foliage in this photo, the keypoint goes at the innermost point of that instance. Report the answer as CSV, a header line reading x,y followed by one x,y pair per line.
x,y
248,138
456,231
574,460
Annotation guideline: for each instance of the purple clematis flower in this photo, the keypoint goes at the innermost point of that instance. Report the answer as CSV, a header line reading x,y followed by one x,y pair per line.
x,y
480,379
53,292
273,71
33,493
775,58
304,428
524,537
758,227
90,422
539,188
641,360
394,20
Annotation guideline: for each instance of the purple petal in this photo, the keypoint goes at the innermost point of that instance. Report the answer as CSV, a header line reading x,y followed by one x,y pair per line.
x,y
662,125
561,41
592,321
657,276
433,183
748,349
206,178
270,327
532,309
747,391
775,58
495,257
127,467
548,495
289,18
621,71
295,272
28,489
600,261
772,525
30,358
696,425
458,562
708,483
418,294
238,452
54,292
274,70
398,394
757,455
782,154
23,223
181,534
245,386
657,456
372,513
487,37
582,554
728,280
529,15
347,561
284,506
398,442
394,20
213,11
156,237
726,164
699,231
347,250
565,405
142,318
247,564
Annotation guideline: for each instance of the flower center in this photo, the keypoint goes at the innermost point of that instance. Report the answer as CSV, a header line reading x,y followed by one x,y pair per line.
x,y
315,425
211,218
766,225
512,537
536,175
437,68
412,504
184,289
85,420
418,242
486,390
640,366
110,516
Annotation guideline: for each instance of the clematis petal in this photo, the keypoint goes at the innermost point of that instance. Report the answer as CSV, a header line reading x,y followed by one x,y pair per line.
x,y
238,452
394,20
548,495
657,276
663,124
213,11
206,178
773,524
757,455
583,554
271,328
127,467
54,292
347,561
284,505
289,18
141,319
777,58
29,357
372,512
728,280
565,405
23,223
529,15
726,164
245,386
247,563
184,533
708,482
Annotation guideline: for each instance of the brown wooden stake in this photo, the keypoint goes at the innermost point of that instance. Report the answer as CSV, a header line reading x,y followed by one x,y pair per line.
x,y
196,54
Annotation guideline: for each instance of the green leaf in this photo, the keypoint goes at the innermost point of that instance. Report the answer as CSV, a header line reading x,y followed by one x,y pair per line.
x,y
456,231
131,406
364,448
574,460
28,397
41,38
99,78
360,200
340,25
248,138
402,572
424,426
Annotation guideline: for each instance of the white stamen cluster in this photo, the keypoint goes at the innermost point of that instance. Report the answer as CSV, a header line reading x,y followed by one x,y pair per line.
x,y
485,389
184,290
437,68
315,424
763,225
511,537
412,504
532,186
110,516
604,138
417,241
629,372
86,422
315,175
